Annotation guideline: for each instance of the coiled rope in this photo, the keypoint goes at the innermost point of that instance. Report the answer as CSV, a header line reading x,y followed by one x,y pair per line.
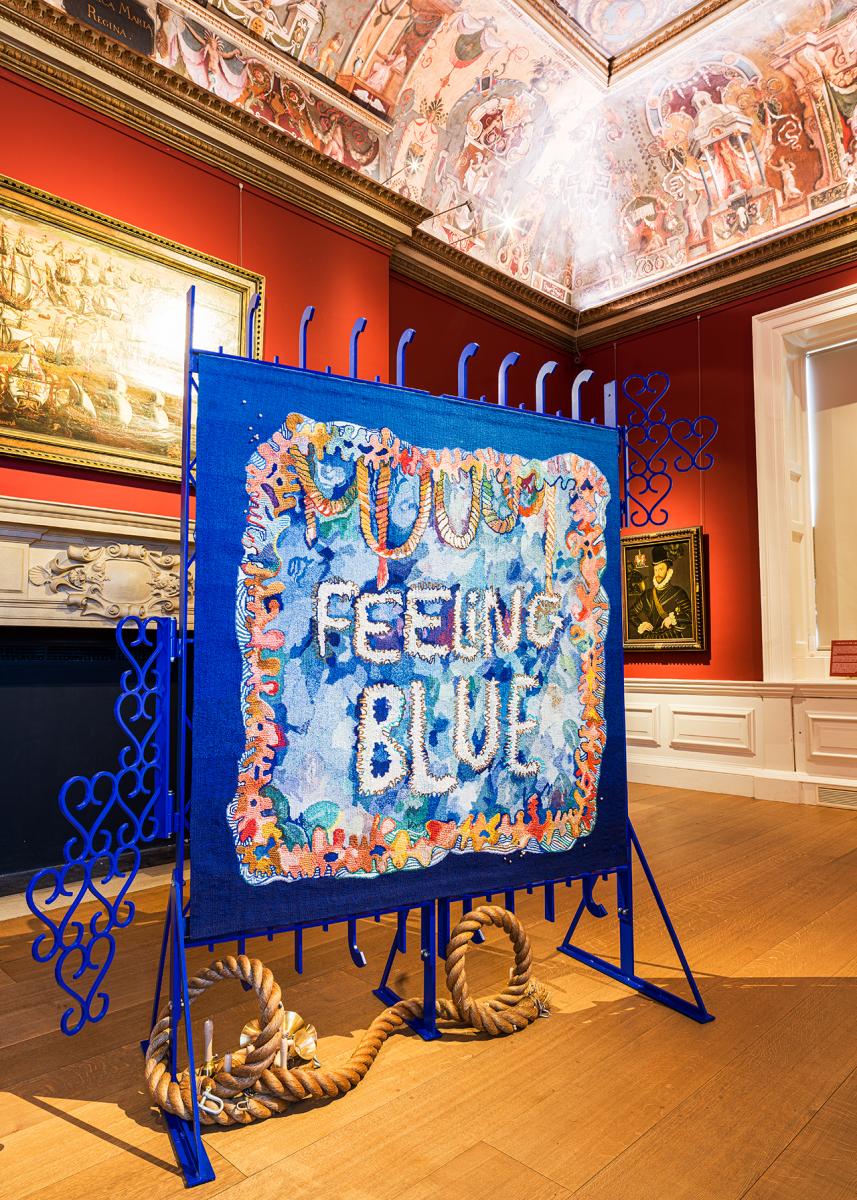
x,y
256,1088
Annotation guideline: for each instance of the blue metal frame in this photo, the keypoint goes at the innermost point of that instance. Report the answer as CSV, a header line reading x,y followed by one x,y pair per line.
x,y
653,446
626,971
140,789
113,814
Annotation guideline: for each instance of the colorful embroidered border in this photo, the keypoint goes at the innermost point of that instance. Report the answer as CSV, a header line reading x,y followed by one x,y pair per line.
x,y
280,479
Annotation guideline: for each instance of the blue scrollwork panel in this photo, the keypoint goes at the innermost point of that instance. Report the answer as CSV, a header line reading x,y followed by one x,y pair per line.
x,y
112,814
655,447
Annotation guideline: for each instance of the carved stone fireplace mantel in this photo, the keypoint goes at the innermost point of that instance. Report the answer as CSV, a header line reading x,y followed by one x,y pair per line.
x,y
66,564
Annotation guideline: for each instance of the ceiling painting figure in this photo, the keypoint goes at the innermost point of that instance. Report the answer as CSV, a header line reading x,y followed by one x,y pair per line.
x,y
386,47
584,188
285,24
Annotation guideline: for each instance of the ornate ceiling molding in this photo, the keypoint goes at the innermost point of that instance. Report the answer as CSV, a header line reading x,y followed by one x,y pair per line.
x,y
569,34
43,44
791,256
50,48
426,260
669,36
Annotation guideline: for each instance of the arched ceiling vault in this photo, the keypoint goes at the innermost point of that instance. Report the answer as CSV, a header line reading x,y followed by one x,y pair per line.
x,y
587,148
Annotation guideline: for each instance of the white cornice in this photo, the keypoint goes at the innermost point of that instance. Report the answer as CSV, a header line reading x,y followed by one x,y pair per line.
x,y
27,515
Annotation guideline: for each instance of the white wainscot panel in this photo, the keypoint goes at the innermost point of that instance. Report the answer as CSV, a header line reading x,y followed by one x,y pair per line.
x,y
827,735
713,730
775,741
642,723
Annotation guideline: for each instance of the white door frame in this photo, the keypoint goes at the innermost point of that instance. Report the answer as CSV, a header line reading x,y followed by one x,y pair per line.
x,y
782,339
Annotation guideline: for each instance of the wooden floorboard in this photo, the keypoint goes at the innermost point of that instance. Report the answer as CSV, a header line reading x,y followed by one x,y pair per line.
x,y
612,1098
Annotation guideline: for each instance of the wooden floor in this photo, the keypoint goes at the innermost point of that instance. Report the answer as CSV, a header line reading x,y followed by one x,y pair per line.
x,y
613,1097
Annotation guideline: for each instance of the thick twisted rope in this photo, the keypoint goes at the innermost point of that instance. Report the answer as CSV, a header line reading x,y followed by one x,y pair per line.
x,y
256,1088
550,534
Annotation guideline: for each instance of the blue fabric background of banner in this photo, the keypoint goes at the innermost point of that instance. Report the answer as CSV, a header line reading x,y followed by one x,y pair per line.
x,y
239,399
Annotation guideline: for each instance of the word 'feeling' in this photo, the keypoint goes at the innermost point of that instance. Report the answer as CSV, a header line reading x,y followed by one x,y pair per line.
x,y
430,622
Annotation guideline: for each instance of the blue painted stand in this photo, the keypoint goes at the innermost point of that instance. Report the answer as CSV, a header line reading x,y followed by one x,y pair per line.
x,y
426,1026
626,971
149,792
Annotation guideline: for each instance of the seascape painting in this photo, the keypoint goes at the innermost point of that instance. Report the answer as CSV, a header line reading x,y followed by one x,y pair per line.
x,y
92,334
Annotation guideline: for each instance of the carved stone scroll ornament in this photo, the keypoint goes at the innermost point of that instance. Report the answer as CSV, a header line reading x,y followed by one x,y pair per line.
x,y
113,581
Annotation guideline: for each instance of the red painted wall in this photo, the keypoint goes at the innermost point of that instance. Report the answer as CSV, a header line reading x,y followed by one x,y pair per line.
x,y
94,161
444,327
710,362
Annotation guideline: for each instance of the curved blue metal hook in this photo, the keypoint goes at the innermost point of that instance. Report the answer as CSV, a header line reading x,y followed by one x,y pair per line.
x,y
611,412
580,379
255,305
306,317
404,341
357,955
356,329
463,359
546,369
502,377
590,903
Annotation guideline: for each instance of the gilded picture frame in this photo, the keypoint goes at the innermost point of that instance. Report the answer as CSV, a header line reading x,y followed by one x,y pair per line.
x,y
664,607
92,334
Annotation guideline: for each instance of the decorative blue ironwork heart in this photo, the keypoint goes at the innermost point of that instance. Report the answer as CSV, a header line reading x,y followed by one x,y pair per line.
x,y
100,852
653,447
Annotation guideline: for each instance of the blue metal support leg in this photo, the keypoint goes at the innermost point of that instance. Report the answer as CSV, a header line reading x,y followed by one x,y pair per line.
x,y
443,927
626,972
426,1026
185,1135
162,959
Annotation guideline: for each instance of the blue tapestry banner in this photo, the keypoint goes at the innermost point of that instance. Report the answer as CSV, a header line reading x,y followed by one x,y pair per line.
x,y
407,649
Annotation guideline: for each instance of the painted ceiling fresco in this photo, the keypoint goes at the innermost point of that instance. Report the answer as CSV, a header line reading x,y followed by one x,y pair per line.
x,y
617,25
747,130
584,191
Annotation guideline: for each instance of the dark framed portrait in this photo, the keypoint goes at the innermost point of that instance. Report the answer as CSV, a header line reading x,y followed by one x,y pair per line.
x,y
664,603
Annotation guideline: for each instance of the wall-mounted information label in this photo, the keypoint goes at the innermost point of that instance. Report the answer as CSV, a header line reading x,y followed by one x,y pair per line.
x,y
843,659
126,20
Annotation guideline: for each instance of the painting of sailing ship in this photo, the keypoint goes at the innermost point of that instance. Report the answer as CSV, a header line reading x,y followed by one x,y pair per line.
x,y
92,333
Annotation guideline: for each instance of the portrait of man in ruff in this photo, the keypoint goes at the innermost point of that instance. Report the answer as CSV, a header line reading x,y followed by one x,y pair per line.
x,y
664,600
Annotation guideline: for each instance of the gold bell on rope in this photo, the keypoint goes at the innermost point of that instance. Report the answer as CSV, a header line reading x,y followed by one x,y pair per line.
x,y
300,1038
